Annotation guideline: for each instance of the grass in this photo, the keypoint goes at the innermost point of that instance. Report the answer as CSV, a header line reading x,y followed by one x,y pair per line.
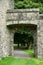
x,y
20,61
30,52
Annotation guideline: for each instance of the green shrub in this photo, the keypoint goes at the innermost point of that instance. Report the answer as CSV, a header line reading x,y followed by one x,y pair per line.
x,y
35,5
41,10
24,4
19,5
37,1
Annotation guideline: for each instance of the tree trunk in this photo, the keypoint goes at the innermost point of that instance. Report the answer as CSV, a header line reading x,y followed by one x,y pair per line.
x,y
18,44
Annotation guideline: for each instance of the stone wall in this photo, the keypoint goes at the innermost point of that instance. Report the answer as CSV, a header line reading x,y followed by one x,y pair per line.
x,y
4,32
40,36
9,18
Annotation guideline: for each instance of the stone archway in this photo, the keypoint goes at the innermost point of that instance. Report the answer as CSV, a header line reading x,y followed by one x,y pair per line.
x,y
9,17
31,27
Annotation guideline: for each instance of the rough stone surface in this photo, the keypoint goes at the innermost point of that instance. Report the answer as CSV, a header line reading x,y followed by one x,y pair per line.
x,y
13,19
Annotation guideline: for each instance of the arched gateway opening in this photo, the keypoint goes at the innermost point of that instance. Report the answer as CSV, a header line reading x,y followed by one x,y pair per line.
x,y
23,36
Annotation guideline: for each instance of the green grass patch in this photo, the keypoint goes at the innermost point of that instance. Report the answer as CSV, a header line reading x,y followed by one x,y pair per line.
x,y
30,52
20,61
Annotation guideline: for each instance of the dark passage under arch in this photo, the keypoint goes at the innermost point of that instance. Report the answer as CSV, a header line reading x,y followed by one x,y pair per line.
x,y
23,38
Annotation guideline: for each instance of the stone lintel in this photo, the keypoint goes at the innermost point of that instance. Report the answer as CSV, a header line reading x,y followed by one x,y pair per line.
x,y
23,10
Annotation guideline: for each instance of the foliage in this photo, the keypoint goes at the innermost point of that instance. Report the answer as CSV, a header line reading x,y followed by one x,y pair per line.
x,y
41,1
41,10
20,61
23,4
19,5
30,52
23,36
